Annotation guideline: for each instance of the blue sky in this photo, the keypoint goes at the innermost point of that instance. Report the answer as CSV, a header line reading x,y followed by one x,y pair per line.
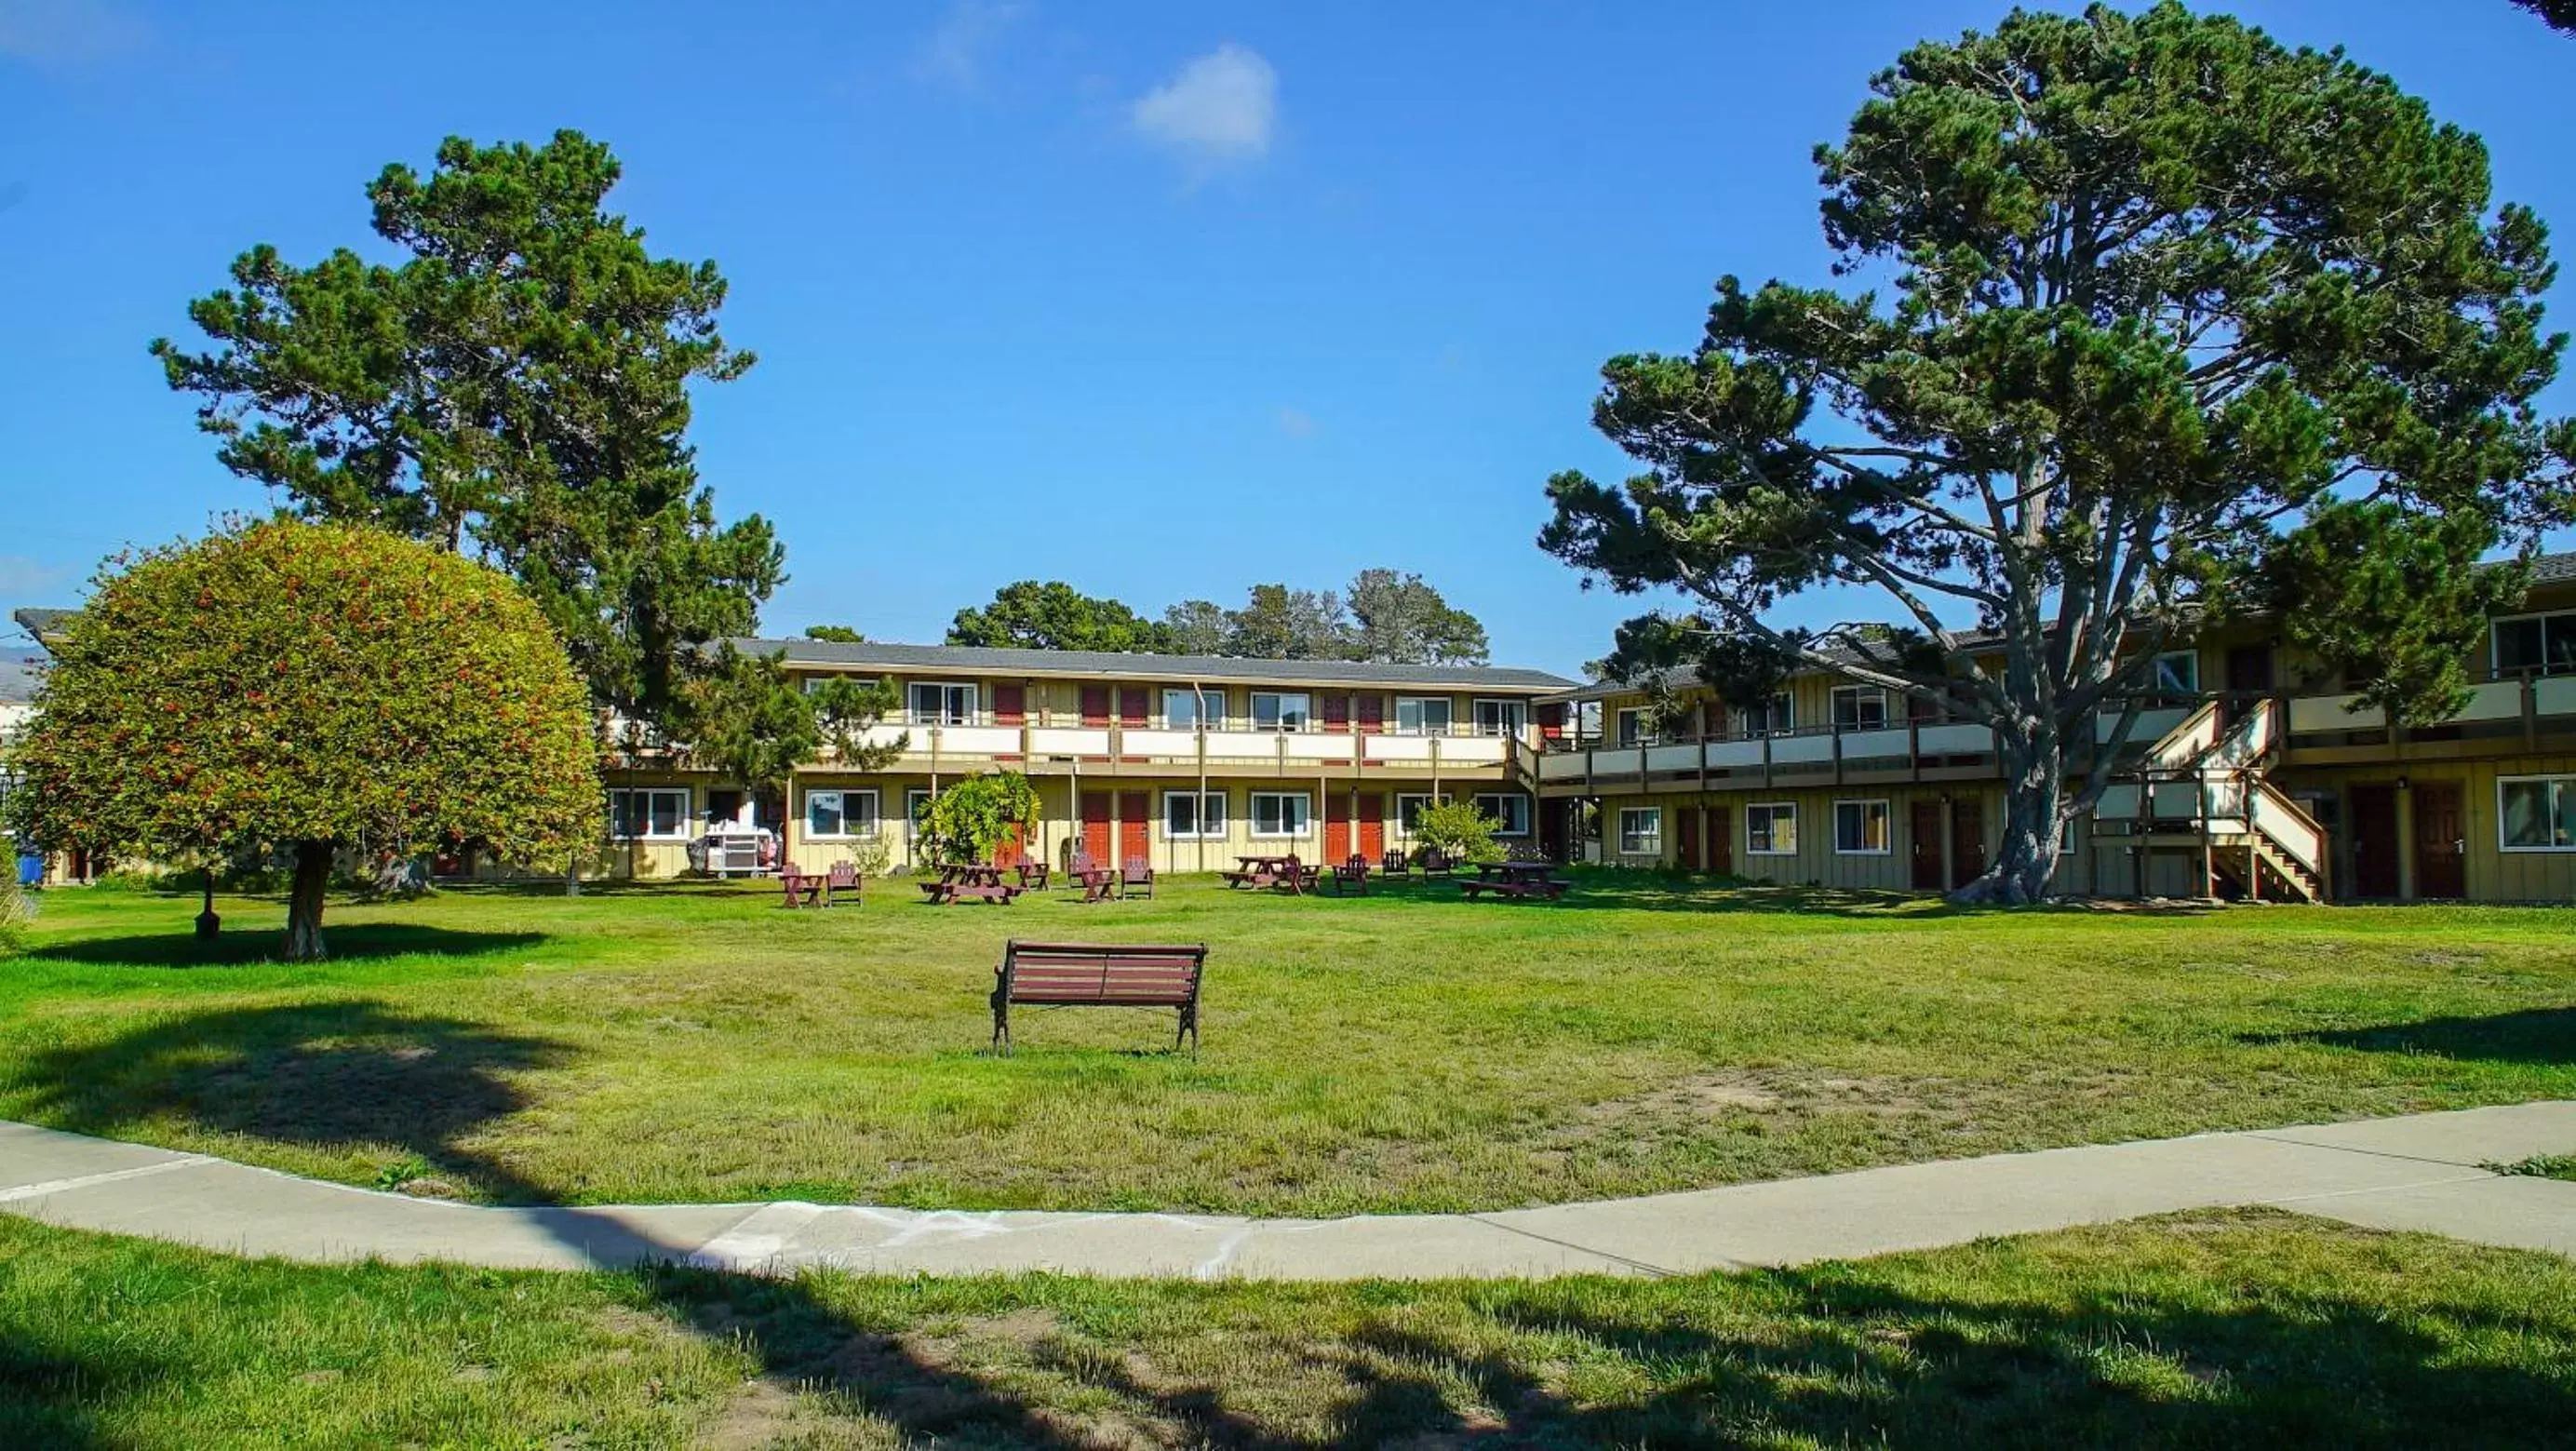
x,y
1162,299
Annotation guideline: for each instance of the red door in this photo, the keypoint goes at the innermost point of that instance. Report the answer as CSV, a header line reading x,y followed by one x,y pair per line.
x,y
1095,705
1095,827
1134,833
1010,704
1686,838
1372,823
1337,826
1721,846
1337,713
1132,702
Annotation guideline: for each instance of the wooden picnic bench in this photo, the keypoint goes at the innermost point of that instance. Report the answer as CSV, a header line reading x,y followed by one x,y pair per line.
x,y
800,889
1033,876
1098,975
1520,881
956,883
1256,872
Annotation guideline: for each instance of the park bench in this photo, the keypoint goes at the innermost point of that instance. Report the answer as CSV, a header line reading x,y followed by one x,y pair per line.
x,y
1098,975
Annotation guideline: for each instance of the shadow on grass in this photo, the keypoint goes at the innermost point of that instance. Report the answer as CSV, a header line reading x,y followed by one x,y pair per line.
x,y
1828,1361
624,887
326,1075
2544,1036
239,945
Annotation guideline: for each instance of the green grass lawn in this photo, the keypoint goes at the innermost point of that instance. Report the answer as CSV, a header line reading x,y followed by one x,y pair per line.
x,y
1407,1052
2254,1329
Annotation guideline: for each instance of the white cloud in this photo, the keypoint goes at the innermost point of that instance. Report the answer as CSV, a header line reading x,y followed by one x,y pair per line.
x,y
1296,423
67,31
1218,109
20,575
954,52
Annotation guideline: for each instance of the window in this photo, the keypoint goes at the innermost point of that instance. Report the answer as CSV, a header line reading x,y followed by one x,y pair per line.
x,y
2536,813
1185,710
815,683
1277,711
1771,829
840,814
1511,808
1641,831
1408,811
1860,828
652,813
1636,726
936,703
916,805
1776,717
1188,814
2177,673
1279,813
1860,708
2541,644
1423,715
1501,717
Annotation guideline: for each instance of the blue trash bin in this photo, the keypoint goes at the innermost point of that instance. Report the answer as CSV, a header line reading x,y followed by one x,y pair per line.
x,y
31,869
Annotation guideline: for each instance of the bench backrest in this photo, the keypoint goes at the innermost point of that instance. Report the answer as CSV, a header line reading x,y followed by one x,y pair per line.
x,y
1139,870
844,875
1111,974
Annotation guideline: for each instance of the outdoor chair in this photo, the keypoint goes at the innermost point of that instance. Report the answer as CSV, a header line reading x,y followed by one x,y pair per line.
x,y
845,886
1136,878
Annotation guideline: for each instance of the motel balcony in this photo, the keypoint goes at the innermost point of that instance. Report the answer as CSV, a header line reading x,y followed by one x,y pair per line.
x,y
1128,749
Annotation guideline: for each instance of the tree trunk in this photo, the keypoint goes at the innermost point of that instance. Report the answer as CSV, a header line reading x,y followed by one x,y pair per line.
x,y
304,902
2025,856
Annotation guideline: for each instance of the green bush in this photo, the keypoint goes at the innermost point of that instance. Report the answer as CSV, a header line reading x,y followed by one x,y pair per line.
x,y
17,911
1459,831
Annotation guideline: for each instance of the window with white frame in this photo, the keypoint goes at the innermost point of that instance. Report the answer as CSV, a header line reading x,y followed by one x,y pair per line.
x,y
1641,831
2177,673
1409,807
1279,710
814,684
840,813
1280,813
2535,644
916,804
1510,808
648,813
1188,815
1636,726
1501,717
2536,813
1861,828
1771,829
1860,708
936,702
1774,717
1423,715
1185,710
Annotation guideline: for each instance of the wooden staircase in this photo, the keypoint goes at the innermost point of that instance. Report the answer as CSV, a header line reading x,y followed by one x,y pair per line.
x,y
2201,787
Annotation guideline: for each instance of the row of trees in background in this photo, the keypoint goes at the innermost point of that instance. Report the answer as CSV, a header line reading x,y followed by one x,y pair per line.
x,y
1385,617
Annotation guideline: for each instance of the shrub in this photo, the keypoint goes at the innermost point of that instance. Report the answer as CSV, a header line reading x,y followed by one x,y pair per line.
x,y
17,912
1459,831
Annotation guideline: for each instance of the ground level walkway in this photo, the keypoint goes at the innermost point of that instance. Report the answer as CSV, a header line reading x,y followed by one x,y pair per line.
x,y
2420,1172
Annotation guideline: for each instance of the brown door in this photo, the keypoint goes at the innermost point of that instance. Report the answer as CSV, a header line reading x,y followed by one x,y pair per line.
x,y
1924,848
1372,826
1095,705
1721,841
1967,842
1686,837
1010,704
1135,838
1095,827
2441,845
1337,826
1552,822
2374,841
2249,674
1133,705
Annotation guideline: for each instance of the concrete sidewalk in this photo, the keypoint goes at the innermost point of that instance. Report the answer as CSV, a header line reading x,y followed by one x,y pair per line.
x,y
2418,1172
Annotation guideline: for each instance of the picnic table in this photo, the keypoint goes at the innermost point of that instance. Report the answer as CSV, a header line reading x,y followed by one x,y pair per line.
x,y
801,889
1257,871
959,881
1521,880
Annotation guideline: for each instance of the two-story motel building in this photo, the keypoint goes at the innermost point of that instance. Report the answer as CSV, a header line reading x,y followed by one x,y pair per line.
x,y
2249,772
1187,761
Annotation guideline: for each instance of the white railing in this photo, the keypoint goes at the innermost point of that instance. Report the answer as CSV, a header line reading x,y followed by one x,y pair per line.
x,y
1070,740
2289,828
1957,740
1397,750
1473,750
2151,725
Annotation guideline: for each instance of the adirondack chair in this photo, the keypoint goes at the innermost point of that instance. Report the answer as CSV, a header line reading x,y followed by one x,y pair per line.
x,y
1136,878
1351,877
1394,867
1436,863
844,886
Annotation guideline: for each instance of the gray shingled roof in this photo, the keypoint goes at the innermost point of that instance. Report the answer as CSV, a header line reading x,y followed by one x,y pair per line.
x,y
41,623
18,680
982,660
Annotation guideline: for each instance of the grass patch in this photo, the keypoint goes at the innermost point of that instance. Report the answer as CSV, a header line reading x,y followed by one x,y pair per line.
x,y
1403,1052
2240,1329
2542,1166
